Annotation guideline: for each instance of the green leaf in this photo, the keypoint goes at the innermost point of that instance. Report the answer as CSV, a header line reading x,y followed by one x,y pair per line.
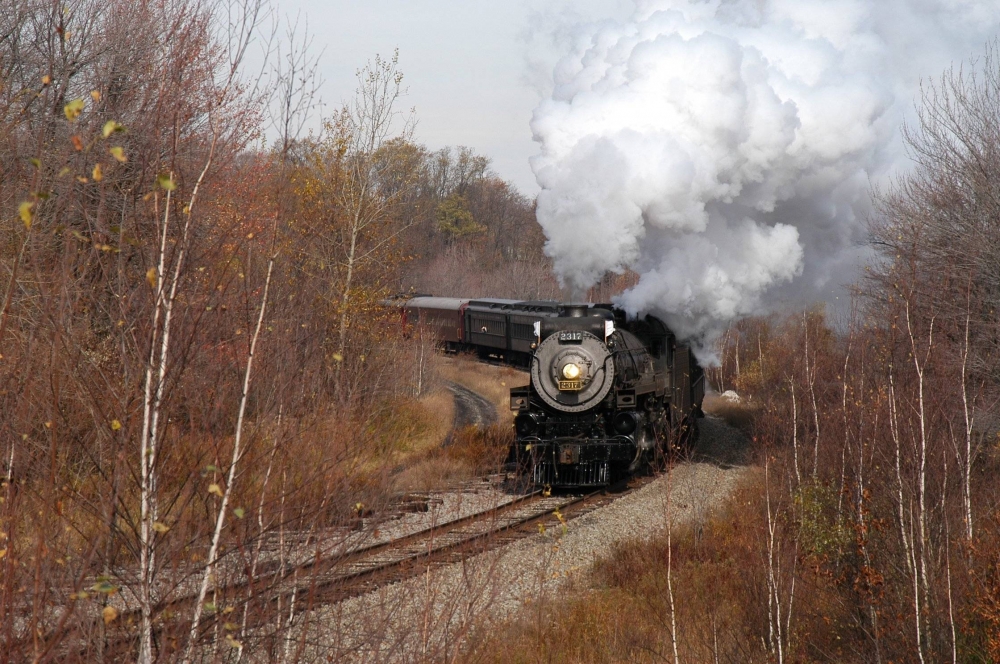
x,y
35,162
239,512
166,182
105,586
73,109
111,127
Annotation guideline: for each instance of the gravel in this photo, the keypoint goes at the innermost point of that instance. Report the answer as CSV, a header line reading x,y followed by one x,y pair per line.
x,y
473,497
429,616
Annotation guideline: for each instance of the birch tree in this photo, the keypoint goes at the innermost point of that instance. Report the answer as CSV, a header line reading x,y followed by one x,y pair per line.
x,y
358,176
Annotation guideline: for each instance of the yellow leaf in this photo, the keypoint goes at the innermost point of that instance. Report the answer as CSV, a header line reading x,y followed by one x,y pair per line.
x,y
3,553
337,357
97,174
48,425
110,127
109,614
160,527
25,210
73,109
95,95
233,643
151,276
118,153
115,425
216,489
166,182
46,79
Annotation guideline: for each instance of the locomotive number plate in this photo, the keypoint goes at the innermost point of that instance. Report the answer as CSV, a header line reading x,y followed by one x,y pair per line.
x,y
571,385
570,337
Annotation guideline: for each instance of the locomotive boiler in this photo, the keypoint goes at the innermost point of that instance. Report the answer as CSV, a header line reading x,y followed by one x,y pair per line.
x,y
607,394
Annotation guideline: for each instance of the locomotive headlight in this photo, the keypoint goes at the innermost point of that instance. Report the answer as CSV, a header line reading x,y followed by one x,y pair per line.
x,y
571,371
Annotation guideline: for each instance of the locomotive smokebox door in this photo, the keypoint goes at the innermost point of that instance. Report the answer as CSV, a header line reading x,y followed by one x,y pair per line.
x,y
569,454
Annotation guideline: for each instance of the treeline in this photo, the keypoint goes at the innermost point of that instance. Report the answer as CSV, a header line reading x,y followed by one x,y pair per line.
x,y
194,357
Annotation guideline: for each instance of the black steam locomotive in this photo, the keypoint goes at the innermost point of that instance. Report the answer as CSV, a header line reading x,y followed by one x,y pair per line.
x,y
606,393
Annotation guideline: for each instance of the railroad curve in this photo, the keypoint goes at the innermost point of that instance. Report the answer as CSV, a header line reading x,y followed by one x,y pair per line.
x,y
471,408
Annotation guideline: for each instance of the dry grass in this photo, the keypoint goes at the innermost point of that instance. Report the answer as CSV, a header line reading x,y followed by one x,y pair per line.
x,y
737,414
621,612
430,417
472,451
426,459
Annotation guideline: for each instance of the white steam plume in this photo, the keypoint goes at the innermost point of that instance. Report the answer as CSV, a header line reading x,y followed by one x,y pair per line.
x,y
723,148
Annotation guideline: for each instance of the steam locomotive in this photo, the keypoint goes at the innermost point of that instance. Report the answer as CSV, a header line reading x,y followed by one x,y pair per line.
x,y
607,393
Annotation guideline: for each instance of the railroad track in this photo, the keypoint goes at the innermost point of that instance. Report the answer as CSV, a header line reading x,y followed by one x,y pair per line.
x,y
368,569
328,580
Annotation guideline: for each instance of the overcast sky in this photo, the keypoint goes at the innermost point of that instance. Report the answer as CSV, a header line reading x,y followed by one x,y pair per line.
x,y
475,69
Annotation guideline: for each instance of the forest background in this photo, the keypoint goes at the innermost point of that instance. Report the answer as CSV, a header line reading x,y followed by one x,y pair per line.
x,y
195,357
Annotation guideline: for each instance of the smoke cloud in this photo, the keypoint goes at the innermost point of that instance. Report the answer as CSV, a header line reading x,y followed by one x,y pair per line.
x,y
725,149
